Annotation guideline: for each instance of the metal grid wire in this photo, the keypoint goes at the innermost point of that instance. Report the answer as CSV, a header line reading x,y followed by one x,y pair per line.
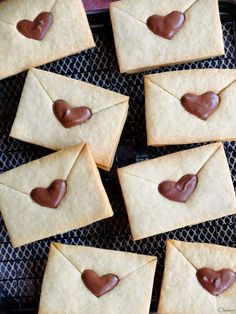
x,y
21,270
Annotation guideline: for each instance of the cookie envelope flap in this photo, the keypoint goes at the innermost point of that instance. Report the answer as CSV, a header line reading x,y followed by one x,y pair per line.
x,y
25,9
63,38
131,32
41,172
150,7
77,93
210,200
181,256
103,261
135,272
85,200
197,81
163,94
176,164
102,131
207,255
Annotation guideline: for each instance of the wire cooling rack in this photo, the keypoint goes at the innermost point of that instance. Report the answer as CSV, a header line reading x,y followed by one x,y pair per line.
x,y
21,270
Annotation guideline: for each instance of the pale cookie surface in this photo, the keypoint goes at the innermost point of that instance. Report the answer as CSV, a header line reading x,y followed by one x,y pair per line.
x,y
69,33
85,200
63,291
36,123
151,213
140,49
180,287
169,123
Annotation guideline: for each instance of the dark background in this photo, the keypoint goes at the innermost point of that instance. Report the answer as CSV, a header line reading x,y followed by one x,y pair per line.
x,y
21,270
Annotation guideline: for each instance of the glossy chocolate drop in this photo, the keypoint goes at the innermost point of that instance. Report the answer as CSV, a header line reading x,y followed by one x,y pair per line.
x,y
70,116
215,282
202,106
99,285
36,29
51,196
179,191
166,26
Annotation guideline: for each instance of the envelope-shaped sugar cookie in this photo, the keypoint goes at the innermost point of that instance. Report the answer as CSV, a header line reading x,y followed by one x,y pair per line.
x,y
56,111
52,195
190,106
36,32
199,278
88,280
177,190
152,33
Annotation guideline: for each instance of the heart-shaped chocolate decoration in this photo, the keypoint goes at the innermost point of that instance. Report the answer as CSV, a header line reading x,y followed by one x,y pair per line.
x,y
179,191
166,26
215,282
36,29
99,285
70,116
202,106
51,196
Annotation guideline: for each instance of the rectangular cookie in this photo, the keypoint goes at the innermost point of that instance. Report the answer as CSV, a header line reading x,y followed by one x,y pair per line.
x,y
190,106
37,122
201,189
199,278
34,206
62,31
142,34
71,282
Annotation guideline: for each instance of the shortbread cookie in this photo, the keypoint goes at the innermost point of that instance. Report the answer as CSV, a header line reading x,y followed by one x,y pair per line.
x,y
177,190
88,280
153,33
36,32
56,111
52,195
202,272
190,106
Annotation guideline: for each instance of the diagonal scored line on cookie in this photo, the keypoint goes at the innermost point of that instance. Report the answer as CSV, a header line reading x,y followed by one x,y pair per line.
x,y
52,7
75,162
218,148
116,104
226,87
8,24
153,182
14,189
183,255
42,86
125,276
165,90
137,19
60,252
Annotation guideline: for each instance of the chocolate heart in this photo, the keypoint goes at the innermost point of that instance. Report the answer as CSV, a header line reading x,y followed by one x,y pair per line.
x,y
215,282
36,29
70,116
179,191
51,196
166,26
202,106
99,285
